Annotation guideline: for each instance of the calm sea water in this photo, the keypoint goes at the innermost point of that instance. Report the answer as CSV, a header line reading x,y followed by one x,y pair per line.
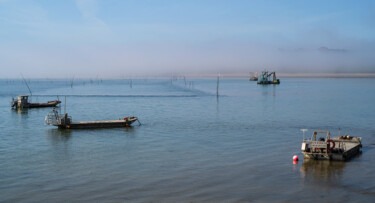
x,y
192,146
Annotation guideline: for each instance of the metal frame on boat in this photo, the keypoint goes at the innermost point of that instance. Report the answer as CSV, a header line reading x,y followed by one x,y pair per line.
x,y
264,78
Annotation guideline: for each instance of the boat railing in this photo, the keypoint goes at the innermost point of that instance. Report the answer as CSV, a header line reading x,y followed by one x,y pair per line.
x,y
54,118
339,144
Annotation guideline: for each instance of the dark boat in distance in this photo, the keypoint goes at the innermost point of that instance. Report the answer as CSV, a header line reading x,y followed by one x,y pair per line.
x,y
22,101
65,122
264,78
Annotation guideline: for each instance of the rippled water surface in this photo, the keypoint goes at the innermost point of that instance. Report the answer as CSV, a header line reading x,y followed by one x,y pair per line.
x,y
192,146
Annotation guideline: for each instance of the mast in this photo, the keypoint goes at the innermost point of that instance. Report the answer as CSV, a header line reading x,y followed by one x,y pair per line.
x,y
31,94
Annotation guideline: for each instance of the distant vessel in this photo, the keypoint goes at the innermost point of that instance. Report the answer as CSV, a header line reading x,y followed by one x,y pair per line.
x,y
264,78
65,122
340,148
23,102
254,77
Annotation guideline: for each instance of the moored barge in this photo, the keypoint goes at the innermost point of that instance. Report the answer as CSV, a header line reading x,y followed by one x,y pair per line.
x,y
340,148
65,122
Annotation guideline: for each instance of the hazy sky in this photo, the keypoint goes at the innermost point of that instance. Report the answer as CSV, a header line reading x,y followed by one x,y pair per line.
x,y
123,38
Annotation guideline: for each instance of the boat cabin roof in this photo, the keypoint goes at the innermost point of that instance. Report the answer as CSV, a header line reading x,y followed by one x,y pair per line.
x,y
23,97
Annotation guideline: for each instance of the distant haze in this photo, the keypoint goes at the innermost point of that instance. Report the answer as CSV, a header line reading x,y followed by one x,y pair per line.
x,y
122,39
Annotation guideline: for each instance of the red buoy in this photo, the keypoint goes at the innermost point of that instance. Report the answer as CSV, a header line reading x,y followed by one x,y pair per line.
x,y
295,158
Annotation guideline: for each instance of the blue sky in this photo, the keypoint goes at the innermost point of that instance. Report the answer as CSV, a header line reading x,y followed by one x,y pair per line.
x,y
114,38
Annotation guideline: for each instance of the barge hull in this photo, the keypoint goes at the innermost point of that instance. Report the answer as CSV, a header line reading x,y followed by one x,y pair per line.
x,y
340,148
268,82
346,155
98,124
65,122
41,105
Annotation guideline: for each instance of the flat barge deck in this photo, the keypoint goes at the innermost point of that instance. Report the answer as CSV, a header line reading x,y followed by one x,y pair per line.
x,y
340,148
65,122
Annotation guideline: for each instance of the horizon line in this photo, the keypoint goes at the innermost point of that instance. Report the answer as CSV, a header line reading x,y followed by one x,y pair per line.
x,y
211,75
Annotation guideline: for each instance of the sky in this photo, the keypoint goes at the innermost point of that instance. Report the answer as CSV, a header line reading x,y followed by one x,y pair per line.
x,y
127,38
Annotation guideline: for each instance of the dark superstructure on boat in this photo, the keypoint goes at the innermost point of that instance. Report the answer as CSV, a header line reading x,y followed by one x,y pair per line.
x,y
23,102
65,122
264,78
340,148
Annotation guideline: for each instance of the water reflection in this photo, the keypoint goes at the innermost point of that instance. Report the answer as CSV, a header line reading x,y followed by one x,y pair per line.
x,y
322,171
20,111
217,106
56,135
268,90
128,131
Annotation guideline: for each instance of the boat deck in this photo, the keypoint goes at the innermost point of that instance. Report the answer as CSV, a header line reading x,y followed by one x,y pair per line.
x,y
99,124
65,122
342,152
338,148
